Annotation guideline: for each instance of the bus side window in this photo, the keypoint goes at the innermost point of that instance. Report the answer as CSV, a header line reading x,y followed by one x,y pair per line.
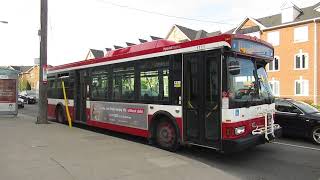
x,y
59,89
99,87
154,80
123,84
165,81
154,85
176,81
149,85
51,87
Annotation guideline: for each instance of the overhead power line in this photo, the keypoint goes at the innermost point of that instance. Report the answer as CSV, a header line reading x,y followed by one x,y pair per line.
x,y
163,14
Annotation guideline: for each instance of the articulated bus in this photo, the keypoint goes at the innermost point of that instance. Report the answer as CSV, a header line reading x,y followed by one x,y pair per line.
x,y
211,92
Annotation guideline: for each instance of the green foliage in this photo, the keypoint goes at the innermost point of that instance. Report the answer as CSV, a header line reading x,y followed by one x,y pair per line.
x,y
24,85
310,102
28,86
316,106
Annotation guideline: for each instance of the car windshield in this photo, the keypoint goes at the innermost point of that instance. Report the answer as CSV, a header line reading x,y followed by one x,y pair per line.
x,y
241,79
305,107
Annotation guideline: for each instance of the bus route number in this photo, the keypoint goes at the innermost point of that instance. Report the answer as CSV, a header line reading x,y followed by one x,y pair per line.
x,y
200,47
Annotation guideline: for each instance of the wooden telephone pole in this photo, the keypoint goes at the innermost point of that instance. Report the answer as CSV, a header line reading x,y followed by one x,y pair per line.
x,y
43,99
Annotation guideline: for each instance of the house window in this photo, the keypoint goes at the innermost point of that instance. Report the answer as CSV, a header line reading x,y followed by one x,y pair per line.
x,y
301,60
275,64
275,87
301,87
273,38
301,34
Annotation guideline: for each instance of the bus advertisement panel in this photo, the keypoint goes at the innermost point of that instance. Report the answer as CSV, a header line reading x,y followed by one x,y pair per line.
x,y
125,114
7,94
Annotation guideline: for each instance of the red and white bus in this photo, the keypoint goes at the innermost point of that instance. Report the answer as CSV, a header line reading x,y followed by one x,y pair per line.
x,y
210,92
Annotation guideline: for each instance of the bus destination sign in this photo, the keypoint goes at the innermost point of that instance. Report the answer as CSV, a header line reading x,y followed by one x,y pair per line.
x,y
250,47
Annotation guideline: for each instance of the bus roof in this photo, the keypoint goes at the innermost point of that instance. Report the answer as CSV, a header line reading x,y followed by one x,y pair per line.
x,y
155,48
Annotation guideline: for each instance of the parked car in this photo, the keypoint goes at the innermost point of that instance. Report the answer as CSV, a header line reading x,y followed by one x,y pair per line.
x,y
30,94
28,99
20,102
298,119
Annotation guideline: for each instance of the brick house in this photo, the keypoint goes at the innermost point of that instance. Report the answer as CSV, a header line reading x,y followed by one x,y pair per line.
x,y
28,73
181,34
94,53
32,76
295,35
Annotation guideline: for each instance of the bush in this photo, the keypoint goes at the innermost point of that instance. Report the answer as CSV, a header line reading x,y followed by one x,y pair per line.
x,y
316,106
310,102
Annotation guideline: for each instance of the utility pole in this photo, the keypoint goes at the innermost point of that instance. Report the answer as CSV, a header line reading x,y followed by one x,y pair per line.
x,y
43,99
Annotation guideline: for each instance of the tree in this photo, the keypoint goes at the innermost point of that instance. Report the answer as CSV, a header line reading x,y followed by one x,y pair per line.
x,y
24,85
28,87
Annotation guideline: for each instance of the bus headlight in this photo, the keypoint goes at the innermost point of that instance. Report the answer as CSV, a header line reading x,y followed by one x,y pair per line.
x,y
239,130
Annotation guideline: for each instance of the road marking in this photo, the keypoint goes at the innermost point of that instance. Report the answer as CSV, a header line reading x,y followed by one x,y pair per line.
x,y
293,145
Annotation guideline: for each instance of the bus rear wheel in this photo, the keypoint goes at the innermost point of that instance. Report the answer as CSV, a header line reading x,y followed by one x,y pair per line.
x,y
60,115
166,137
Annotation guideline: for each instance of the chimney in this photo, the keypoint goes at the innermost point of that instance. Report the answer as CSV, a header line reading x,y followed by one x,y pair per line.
x,y
289,12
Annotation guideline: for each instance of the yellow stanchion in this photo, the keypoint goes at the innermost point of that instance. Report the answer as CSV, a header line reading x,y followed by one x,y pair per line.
x,y
66,104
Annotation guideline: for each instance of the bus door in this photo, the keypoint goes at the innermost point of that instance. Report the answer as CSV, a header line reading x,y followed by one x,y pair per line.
x,y
81,95
201,98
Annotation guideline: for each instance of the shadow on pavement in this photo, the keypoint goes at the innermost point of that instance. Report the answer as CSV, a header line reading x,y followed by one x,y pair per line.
x,y
269,161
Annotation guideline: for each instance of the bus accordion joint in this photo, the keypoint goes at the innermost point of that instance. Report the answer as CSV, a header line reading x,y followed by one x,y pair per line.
x,y
66,103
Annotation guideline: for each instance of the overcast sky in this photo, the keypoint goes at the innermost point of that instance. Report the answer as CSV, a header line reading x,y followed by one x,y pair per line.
x,y
77,25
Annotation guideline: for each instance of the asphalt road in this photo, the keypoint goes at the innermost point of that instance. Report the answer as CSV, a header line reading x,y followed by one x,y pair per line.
x,y
286,158
29,109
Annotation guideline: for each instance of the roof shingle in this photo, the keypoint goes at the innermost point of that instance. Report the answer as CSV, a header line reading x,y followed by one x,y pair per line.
x,y
275,20
97,53
193,34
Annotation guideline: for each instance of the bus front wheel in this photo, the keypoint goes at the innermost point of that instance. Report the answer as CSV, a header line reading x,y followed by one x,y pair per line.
x,y
166,137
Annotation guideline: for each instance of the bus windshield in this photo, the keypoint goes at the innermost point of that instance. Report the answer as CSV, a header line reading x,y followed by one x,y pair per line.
x,y
265,89
247,85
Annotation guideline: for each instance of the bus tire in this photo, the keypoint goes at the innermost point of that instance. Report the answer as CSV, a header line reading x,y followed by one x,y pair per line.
x,y
60,117
166,135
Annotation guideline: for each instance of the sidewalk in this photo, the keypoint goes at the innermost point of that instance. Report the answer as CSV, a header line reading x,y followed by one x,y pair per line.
x,y
55,152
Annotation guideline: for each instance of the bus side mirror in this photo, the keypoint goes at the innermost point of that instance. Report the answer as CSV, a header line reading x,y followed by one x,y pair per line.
x,y
234,67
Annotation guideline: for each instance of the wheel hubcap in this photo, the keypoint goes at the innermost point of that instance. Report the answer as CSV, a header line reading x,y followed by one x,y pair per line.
x,y
316,135
166,134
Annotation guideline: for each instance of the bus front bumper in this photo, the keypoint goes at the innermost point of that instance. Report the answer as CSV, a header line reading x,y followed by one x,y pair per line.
x,y
229,146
